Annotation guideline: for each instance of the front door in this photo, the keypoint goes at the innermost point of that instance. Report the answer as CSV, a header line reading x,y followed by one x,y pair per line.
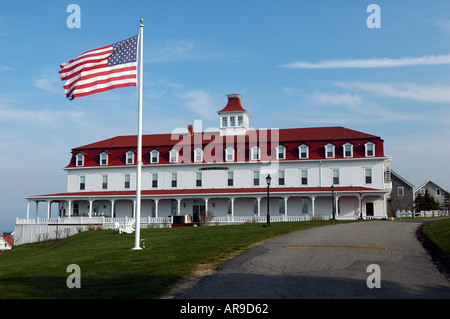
x,y
369,209
196,210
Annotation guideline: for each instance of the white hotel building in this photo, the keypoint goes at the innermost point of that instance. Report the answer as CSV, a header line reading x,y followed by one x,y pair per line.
x,y
224,173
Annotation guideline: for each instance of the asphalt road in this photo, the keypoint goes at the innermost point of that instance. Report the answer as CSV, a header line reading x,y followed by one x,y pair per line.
x,y
331,262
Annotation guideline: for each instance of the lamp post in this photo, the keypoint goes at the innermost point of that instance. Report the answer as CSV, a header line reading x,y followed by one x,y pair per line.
x,y
332,196
360,204
268,180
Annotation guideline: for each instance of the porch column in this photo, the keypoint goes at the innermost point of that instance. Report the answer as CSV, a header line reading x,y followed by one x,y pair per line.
x,y
28,209
259,206
113,205
232,206
49,207
206,206
285,205
313,198
178,206
69,207
156,207
91,203
359,210
37,208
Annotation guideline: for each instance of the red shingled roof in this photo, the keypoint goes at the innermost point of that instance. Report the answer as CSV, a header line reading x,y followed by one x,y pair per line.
x,y
233,105
9,240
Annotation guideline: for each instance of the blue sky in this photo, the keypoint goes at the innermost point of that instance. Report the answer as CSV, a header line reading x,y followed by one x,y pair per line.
x,y
295,63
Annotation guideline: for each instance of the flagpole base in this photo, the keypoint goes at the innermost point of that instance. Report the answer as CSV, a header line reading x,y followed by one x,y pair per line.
x,y
136,248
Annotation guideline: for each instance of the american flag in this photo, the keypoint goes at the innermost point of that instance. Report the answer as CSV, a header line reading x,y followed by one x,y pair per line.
x,y
101,69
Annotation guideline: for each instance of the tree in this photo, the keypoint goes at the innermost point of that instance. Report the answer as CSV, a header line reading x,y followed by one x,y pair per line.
x,y
425,202
446,201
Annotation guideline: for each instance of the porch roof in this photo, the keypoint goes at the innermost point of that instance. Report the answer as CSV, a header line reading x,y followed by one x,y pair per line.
x,y
226,192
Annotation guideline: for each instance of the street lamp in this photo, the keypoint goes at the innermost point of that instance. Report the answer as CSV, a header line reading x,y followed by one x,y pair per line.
x,y
332,196
268,180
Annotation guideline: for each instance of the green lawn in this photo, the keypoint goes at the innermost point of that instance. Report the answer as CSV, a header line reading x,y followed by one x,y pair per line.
x,y
438,232
109,267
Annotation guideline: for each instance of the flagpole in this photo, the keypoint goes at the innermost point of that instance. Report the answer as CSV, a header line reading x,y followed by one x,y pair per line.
x,y
139,142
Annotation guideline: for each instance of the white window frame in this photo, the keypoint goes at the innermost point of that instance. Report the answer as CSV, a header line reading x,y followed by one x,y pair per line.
x,y
224,122
152,156
232,121
105,181
367,150
370,175
333,148
127,179
344,149
304,175
104,156
198,155
438,192
82,181
79,158
281,149
174,178
229,154
306,151
255,153
240,121
173,156
400,191
230,178
333,181
198,179
153,180
129,155
256,176
281,178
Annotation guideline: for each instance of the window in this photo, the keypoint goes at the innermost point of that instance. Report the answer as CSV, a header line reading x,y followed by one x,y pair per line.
x,y
255,178
281,206
281,178
335,176
127,181
173,156
104,181
329,151
82,183
198,179
229,154
103,158
255,153
80,159
174,179
400,191
155,180
304,177
198,155
154,156
240,120
230,178
303,151
232,121
438,192
304,206
368,175
130,157
422,191
224,121
348,149
370,149
281,152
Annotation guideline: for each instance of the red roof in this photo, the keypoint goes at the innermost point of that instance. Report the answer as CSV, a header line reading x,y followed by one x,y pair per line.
x,y
233,105
9,240
217,191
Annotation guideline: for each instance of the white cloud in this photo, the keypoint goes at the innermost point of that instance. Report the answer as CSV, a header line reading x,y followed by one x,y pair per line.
x,y
432,93
371,63
200,102
44,116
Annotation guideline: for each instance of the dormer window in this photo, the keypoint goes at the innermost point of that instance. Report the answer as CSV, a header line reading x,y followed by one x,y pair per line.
x,y
255,153
104,158
229,154
303,151
130,157
173,156
347,149
154,156
370,149
281,152
80,159
329,151
198,155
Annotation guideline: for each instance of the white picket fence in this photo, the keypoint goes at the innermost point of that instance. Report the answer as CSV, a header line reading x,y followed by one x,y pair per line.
x,y
430,213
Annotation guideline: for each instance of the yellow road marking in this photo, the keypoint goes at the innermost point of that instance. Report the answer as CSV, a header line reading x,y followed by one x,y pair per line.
x,y
336,246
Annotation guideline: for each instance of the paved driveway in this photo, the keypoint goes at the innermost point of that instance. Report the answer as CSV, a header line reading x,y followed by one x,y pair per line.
x,y
331,262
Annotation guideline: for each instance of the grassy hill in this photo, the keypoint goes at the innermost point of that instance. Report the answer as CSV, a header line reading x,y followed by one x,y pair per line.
x,y
111,269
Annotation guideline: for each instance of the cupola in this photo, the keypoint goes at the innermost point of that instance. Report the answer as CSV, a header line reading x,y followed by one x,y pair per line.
x,y
234,119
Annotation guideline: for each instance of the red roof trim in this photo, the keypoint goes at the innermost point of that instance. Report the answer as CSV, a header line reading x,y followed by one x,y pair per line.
x,y
218,191
9,240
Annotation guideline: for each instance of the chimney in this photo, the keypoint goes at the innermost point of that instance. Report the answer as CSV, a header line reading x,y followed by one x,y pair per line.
x,y
190,129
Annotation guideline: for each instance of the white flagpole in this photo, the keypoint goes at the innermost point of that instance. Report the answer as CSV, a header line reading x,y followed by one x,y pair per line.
x,y
139,142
